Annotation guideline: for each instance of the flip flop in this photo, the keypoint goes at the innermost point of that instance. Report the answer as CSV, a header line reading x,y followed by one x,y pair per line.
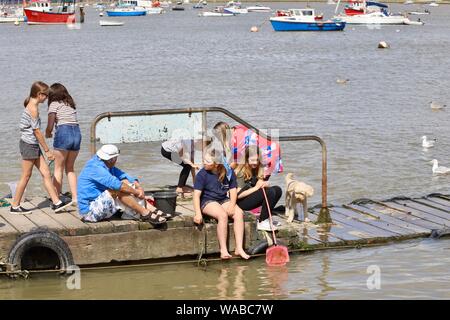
x,y
154,218
160,213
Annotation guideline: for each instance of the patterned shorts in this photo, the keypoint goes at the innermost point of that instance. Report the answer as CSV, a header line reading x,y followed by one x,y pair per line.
x,y
103,207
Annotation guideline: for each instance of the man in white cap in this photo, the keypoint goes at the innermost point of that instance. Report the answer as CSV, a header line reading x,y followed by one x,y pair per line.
x,y
101,185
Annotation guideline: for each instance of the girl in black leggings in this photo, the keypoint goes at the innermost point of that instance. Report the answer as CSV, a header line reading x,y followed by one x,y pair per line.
x,y
250,179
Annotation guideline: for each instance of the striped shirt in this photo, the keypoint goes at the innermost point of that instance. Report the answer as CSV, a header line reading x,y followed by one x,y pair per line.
x,y
65,114
27,125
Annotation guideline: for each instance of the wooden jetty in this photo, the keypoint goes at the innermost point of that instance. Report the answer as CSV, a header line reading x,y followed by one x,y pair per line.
x,y
359,223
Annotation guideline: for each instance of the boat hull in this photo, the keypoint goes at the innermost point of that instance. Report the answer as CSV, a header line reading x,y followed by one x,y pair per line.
x,y
37,17
279,25
364,19
11,19
125,13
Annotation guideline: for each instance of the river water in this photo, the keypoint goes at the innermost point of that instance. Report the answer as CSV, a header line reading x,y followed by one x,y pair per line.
x,y
372,126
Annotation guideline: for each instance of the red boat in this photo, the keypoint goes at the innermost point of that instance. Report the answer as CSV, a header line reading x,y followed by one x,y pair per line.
x,y
355,8
41,12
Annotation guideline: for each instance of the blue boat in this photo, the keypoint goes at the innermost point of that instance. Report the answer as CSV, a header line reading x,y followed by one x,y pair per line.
x,y
126,12
304,20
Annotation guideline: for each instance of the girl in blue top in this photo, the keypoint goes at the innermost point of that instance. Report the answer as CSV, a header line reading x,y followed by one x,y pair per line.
x,y
211,190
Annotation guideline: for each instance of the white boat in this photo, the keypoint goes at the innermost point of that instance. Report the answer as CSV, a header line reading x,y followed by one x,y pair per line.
x,y
152,7
12,15
408,2
433,4
418,13
110,23
215,14
235,9
372,18
258,8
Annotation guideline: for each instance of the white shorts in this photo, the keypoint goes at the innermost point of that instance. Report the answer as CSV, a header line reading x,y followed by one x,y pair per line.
x,y
103,207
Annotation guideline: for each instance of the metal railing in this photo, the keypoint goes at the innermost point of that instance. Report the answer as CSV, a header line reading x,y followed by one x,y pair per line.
x,y
324,216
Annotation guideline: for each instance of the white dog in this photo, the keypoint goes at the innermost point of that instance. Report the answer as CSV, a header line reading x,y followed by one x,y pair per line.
x,y
296,191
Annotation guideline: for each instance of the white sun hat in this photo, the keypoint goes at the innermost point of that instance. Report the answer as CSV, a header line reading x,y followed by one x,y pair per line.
x,y
108,151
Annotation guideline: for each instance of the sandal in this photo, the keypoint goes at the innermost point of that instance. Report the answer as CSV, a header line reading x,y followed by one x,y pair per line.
x,y
154,218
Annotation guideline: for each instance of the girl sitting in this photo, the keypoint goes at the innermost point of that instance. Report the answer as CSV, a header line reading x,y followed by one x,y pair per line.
x,y
250,181
211,190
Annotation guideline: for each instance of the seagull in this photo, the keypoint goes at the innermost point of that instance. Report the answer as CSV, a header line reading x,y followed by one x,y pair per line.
x,y
439,170
437,106
427,143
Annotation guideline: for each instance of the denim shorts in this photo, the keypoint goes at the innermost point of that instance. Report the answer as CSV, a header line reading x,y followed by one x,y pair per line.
x,y
67,137
204,203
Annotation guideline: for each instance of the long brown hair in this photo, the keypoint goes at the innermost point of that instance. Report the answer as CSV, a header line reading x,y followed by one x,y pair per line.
x,y
59,93
36,88
246,169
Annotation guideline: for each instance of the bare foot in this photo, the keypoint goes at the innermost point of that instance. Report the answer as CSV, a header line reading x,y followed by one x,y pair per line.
x,y
225,255
242,254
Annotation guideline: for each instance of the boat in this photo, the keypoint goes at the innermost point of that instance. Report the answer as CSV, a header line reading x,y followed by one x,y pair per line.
x,y
41,12
258,8
152,7
110,23
417,13
12,15
433,4
304,20
178,8
286,13
372,13
126,12
234,8
408,2
217,12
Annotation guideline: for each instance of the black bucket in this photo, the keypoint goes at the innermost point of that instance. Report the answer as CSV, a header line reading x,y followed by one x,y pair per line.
x,y
165,200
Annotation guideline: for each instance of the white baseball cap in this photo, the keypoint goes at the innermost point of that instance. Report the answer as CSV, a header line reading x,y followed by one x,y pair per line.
x,y
108,151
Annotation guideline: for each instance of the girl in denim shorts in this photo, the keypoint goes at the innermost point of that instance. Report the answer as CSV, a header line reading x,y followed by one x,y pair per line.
x,y
66,143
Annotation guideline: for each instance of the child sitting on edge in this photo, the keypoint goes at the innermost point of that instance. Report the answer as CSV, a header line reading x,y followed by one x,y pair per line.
x,y
211,190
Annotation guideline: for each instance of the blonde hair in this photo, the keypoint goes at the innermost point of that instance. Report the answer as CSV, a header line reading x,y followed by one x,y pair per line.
x,y
36,88
224,131
246,169
221,170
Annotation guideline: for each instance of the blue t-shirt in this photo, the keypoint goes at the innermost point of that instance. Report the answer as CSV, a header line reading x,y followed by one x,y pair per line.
x,y
212,189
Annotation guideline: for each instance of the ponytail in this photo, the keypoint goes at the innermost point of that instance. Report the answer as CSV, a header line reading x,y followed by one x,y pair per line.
x,y
36,88
27,100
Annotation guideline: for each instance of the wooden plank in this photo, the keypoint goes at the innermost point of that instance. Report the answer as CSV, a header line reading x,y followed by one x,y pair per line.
x,y
422,211
444,202
400,213
358,225
340,231
403,223
6,228
42,218
124,225
73,225
20,222
97,227
436,205
364,216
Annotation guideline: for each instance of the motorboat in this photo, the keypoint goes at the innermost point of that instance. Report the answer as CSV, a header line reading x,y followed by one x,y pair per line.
x,y
304,20
433,4
235,9
12,15
42,12
126,12
414,23
152,7
369,12
258,8
418,13
218,12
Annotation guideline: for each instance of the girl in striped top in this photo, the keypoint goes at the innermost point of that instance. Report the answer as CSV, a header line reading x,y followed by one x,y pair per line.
x,y
62,113
30,142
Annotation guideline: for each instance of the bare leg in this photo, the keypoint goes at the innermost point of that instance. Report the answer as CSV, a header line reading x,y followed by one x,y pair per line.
x,y
238,225
71,176
27,170
216,211
130,201
60,160
45,172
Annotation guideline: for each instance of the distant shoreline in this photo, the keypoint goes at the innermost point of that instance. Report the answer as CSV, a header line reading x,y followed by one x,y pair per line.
x,y
423,2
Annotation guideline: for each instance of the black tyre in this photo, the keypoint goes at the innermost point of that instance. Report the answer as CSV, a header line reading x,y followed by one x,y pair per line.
x,y
258,247
40,249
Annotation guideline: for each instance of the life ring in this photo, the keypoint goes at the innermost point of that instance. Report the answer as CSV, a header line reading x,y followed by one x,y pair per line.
x,y
45,246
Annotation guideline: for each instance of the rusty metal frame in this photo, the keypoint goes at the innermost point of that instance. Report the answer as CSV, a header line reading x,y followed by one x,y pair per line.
x,y
204,112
